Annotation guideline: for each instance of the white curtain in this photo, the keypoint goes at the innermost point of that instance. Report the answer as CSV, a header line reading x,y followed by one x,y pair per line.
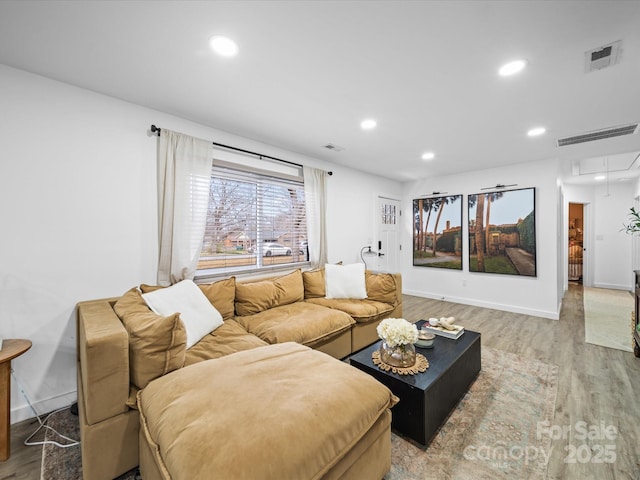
x,y
315,197
184,176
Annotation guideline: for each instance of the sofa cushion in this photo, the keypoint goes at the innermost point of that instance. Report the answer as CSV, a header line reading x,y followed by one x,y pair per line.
x,y
280,411
381,287
228,338
255,297
196,311
221,294
157,344
360,310
314,283
345,281
299,322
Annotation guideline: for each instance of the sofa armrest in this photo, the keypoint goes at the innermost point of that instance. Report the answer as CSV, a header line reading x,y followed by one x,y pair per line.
x,y
103,356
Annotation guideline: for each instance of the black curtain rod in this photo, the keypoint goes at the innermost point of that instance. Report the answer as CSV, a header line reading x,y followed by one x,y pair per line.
x,y
155,129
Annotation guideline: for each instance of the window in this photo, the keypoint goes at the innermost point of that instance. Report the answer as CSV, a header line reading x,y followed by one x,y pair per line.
x,y
388,214
256,219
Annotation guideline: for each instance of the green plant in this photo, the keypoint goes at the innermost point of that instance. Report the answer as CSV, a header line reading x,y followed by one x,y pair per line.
x,y
634,224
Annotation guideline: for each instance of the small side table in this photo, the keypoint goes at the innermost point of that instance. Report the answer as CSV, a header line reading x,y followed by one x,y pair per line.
x,y
11,349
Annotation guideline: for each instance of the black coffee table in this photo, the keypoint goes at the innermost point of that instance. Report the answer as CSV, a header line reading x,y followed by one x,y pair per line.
x,y
426,399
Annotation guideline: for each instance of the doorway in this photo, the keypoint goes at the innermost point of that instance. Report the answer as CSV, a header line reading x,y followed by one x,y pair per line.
x,y
576,243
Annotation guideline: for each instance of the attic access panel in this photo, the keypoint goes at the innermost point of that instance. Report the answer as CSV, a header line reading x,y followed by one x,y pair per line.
x,y
609,164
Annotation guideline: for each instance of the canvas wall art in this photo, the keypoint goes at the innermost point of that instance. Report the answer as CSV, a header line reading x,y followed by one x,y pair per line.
x,y
502,233
437,232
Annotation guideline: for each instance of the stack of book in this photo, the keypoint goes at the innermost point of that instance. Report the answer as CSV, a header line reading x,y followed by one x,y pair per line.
x,y
443,332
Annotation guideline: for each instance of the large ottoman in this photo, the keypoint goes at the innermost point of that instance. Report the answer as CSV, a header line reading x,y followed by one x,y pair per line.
x,y
279,411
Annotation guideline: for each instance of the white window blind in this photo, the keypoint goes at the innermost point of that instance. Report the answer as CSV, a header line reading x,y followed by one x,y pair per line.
x,y
256,220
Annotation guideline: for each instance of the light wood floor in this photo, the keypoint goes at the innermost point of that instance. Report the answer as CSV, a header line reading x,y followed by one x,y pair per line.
x,y
24,463
597,386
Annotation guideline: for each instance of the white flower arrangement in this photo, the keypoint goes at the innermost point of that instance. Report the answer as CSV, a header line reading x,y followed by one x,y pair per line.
x,y
397,331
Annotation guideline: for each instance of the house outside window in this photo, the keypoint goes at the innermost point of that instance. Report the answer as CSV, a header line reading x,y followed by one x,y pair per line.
x,y
256,219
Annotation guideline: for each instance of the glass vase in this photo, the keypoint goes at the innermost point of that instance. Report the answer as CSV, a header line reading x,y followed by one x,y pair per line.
x,y
398,355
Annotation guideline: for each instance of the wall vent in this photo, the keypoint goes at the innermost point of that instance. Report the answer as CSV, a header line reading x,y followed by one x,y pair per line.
x,y
599,135
602,57
333,147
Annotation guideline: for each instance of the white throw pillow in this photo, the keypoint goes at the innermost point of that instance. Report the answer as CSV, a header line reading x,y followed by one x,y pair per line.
x,y
345,281
197,313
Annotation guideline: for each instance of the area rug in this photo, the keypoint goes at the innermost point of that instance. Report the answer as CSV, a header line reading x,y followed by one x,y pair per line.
x,y
607,314
492,433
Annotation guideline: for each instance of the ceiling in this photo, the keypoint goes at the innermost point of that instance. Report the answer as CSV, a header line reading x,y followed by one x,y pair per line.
x,y
308,72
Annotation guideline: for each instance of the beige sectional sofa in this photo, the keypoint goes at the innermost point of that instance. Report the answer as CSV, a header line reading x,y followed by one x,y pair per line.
x,y
123,347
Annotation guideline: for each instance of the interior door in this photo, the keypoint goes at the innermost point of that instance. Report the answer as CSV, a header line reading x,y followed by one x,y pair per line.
x,y
388,244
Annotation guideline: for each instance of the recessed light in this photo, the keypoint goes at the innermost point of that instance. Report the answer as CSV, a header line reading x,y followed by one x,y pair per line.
x,y
534,132
223,46
599,177
512,68
428,156
368,124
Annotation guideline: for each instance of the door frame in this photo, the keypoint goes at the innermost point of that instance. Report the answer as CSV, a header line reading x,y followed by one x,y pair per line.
x,y
587,244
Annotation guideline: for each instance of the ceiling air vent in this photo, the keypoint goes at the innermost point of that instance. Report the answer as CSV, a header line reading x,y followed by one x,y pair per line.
x,y
333,147
602,57
599,135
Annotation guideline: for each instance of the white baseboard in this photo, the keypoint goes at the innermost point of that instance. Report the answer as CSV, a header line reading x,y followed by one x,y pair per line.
x,y
24,411
613,286
479,303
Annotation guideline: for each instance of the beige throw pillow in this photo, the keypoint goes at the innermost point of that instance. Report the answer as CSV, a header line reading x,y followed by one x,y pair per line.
x,y
314,283
157,344
222,294
381,287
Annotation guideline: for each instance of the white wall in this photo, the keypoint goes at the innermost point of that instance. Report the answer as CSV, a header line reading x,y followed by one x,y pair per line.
x,y
612,247
78,220
534,296
635,239
346,229
78,200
